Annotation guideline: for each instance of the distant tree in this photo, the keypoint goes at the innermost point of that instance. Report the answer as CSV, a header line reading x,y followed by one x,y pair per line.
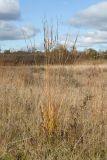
x,y
92,53
60,49
104,54
34,49
7,51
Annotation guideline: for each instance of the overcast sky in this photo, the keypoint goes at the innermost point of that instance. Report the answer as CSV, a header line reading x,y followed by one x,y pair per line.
x,y
22,19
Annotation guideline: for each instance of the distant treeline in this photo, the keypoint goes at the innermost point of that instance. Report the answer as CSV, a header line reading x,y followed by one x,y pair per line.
x,y
58,55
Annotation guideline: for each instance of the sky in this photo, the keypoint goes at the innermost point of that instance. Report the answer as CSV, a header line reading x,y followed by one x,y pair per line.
x,y
21,22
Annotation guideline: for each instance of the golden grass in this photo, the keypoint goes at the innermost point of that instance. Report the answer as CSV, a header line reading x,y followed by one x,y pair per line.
x,y
54,113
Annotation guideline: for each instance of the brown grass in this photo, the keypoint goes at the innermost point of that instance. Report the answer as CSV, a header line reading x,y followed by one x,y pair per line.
x,y
54,113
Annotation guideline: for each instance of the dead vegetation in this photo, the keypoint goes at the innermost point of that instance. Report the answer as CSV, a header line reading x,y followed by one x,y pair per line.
x,y
54,113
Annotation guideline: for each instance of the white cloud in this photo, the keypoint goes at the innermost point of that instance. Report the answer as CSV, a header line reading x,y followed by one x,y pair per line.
x,y
9,13
88,39
9,9
94,17
9,31
91,38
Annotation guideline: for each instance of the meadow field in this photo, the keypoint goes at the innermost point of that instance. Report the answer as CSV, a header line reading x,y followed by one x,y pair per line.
x,y
53,112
